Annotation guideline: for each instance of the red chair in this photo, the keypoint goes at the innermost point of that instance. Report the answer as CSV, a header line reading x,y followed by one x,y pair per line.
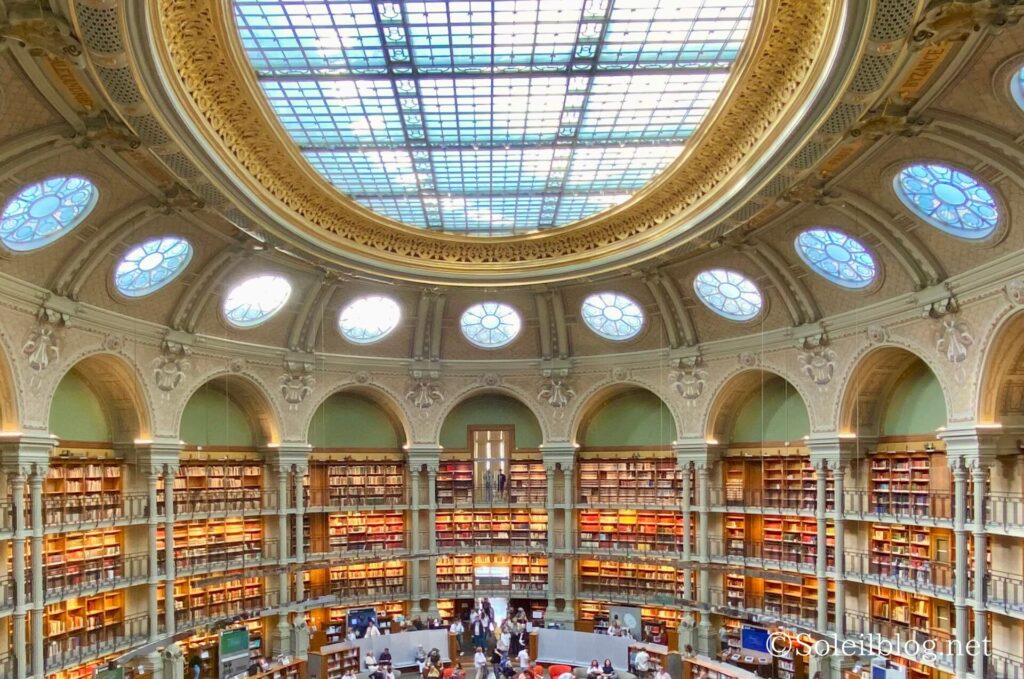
x,y
448,671
538,671
555,671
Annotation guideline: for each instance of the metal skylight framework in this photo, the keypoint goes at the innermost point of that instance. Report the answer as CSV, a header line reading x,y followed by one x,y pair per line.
x,y
491,118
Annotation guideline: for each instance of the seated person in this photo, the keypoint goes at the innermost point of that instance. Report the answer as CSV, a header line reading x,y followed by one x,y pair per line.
x,y
661,673
433,671
349,674
607,671
594,671
434,657
385,658
370,662
421,659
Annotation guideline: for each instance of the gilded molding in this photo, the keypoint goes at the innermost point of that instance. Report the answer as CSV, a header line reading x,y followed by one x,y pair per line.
x,y
776,76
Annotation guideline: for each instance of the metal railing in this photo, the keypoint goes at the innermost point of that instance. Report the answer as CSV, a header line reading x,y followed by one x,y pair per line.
x,y
1002,590
77,510
1004,510
793,555
247,605
868,504
65,581
644,545
6,591
322,547
1003,665
870,630
629,497
781,500
217,500
221,555
902,572
338,498
510,496
89,644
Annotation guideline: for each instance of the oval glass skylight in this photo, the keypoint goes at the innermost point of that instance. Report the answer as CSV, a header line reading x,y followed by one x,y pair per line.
x,y
253,301
612,315
949,199
1017,87
369,319
490,324
837,257
40,213
729,294
491,119
151,265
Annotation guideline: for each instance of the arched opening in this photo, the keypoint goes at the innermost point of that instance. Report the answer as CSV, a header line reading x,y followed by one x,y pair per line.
x,y
897,488
491,492
97,410
630,488
10,420
356,492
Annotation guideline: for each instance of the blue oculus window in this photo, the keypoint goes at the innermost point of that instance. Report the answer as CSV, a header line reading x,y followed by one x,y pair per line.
x,y
490,324
948,199
491,119
729,294
40,213
151,265
612,315
837,257
253,301
1017,87
369,319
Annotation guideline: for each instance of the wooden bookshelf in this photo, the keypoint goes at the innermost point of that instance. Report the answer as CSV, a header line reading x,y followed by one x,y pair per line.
x,y
72,559
365,531
503,528
735,591
794,539
795,599
334,621
903,609
594,617
734,528
631,529
83,621
83,491
528,484
203,641
773,481
624,578
376,579
215,541
292,670
454,483
731,647
88,670
357,483
445,608
204,486
905,551
655,481
454,573
901,482
195,600
332,662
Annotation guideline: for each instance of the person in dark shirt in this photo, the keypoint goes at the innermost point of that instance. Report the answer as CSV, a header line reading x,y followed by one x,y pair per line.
x,y
418,624
385,658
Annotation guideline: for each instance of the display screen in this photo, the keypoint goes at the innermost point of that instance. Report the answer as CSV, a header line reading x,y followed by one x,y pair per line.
x,y
754,639
234,642
109,673
359,619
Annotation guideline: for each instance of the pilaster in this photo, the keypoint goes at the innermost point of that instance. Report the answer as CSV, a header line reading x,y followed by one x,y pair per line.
x,y
424,458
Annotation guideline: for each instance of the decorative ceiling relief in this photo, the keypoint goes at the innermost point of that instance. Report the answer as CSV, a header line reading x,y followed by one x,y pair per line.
x,y
817,360
170,367
689,379
296,383
556,392
43,344
423,394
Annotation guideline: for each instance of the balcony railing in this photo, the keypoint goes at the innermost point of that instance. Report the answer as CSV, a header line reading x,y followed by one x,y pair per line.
x,y
902,572
793,555
89,644
481,495
6,593
1003,590
1004,510
246,606
866,504
221,555
334,498
219,500
870,631
68,580
76,510
1003,665
616,496
773,500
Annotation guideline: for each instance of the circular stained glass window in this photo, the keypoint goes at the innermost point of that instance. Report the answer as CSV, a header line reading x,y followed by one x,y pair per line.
x,y
729,294
612,316
369,319
1017,87
490,324
40,213
836,256
151,265
948,199
253,301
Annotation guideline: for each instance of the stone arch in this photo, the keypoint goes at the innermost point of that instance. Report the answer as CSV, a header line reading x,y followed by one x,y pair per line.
x,y
596,397
250,394
731,393
119,387
387,402
10,415
478,390
869,382
1000,396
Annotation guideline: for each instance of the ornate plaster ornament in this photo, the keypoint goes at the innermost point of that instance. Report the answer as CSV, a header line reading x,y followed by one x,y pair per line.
x,y
876,333
689,379
113,342
556,393
363,377
490,379
748,359
1015,292
236,365
956,20
170,366
423,394
296,383
42,32
818,360
43,344
953,340
620,374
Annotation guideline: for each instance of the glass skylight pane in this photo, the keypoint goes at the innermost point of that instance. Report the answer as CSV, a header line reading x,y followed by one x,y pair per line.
x,y
512,116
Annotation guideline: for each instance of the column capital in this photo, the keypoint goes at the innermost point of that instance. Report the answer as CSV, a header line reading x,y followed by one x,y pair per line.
x,y
155,454
27,452
420,454
287,454
559,452
976,444
834,449
697,451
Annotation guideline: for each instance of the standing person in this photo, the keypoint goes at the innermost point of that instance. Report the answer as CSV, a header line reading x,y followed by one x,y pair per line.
x,y
350,635
459,631
480,662
662,673
372,630
524,659
642,663
504,639
479,630
502,482
196,665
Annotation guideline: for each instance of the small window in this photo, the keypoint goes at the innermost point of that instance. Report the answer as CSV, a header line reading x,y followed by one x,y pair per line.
x,y
837,257
151,265
369,319
612,315
949,199
255,300
729,294
43,212
1017,87
490,324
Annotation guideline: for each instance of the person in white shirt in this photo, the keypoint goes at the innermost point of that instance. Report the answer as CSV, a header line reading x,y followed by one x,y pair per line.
x,y
421,658
642,663
480,663
370,661
662,673
372,630
350,635
459,631
349,674
524,659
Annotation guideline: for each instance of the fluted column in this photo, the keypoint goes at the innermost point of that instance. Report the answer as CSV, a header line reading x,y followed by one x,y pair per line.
x,y
153,554
549,503
979,476
687,468
300,518
838,478
414,515
821,543
703,529
35,483
567,513
19,636
169,566
960,579
432,531
282,633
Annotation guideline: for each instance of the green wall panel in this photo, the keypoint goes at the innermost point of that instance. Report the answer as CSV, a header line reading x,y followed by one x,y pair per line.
x,y
916,405
632,418
76,413
212,418
774,412
350,421
490,409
